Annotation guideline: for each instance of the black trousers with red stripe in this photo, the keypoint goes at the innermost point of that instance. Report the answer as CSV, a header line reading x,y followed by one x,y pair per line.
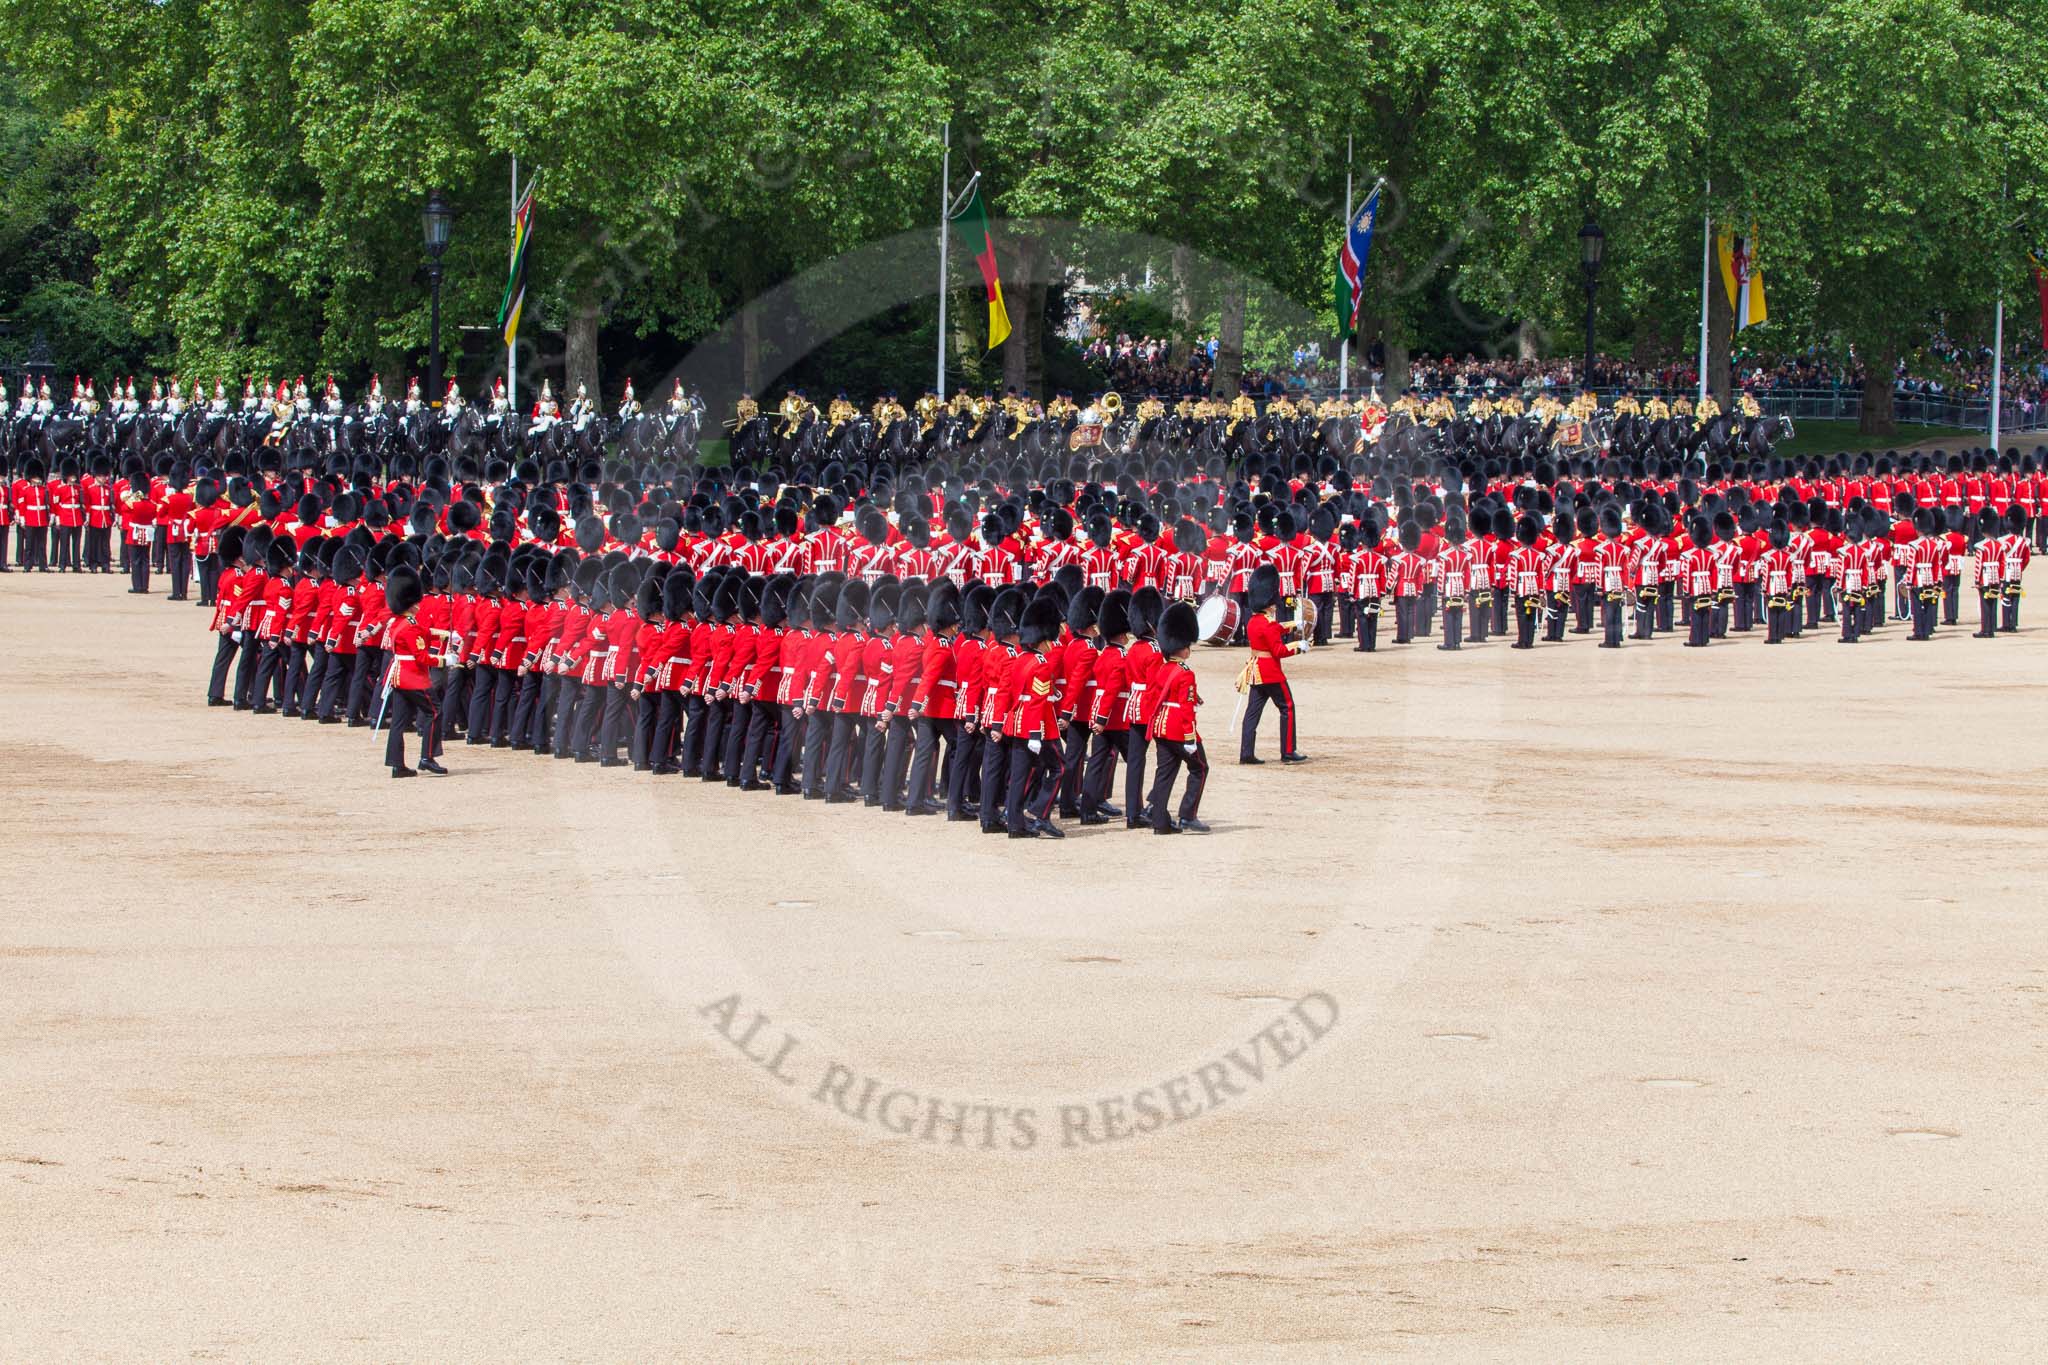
x,y
1255,707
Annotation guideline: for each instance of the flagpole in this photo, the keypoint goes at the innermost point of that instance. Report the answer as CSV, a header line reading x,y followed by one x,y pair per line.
x,y
1706,279
1997,353
1344,341
512,347
945,204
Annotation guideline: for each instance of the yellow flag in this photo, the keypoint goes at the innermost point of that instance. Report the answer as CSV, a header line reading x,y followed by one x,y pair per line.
x,y
1740,276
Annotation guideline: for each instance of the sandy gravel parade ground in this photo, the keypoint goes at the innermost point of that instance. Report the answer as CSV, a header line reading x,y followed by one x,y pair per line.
x,y
1661,1004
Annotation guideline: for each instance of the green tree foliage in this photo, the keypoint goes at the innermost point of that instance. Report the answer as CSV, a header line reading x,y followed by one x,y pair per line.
x,y
243,179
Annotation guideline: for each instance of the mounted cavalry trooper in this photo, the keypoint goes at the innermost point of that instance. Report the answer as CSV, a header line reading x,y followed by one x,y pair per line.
x,y
218,404
413,402
678,403
251,402
330,399
546,412
629,406
501,406
581,409
452,400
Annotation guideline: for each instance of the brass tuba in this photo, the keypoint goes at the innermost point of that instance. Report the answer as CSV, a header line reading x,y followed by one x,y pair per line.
x,y
1112,405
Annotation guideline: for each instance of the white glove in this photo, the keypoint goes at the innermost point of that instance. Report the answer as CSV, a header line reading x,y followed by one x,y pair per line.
x,y
1191,746
1034,746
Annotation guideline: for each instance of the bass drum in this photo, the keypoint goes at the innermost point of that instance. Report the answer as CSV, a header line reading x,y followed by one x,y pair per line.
x,y
1217,618
1309,612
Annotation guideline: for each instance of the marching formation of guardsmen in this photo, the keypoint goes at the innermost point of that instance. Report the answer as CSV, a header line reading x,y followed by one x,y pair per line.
x,y
840,655
979,641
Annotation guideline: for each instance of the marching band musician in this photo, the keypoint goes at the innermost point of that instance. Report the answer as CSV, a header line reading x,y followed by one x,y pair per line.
x,y
887,413
793,409
1242,409
629,406
838,413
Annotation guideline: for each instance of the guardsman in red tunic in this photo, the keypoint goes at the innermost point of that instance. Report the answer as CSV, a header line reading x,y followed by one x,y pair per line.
x,y
1409,573
1853,576
893,725
138,528
174,513
1031,729
340,606
304,605
31,506
2017,554
1925,558
1696,570
1366,568
272,614
664,665
758,688
1988,576
878,673
933,704
1456,567
1525,580
1779,575
1613,564
814,692
970,645
412,652
1074,658
1175,739
1269,646
67,514
842,702
1103,716
998,662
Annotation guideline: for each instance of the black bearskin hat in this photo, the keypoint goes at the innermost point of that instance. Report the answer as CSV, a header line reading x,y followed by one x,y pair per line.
x,y
1178,630
403,590
1041,623
942,606
1262,589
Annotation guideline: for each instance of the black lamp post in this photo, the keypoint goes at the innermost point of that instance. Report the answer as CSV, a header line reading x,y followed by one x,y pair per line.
x,y
1592,241
436,220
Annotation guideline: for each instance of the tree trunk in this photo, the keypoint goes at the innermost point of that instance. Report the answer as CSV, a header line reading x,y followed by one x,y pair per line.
x,y
1720,343
580,351
1878,363
750,351
1227,378
1024,298
1397,365
1034,334
1526,347
1183,271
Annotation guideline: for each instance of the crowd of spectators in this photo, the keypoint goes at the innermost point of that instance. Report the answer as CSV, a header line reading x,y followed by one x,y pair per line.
x,y
1938,373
